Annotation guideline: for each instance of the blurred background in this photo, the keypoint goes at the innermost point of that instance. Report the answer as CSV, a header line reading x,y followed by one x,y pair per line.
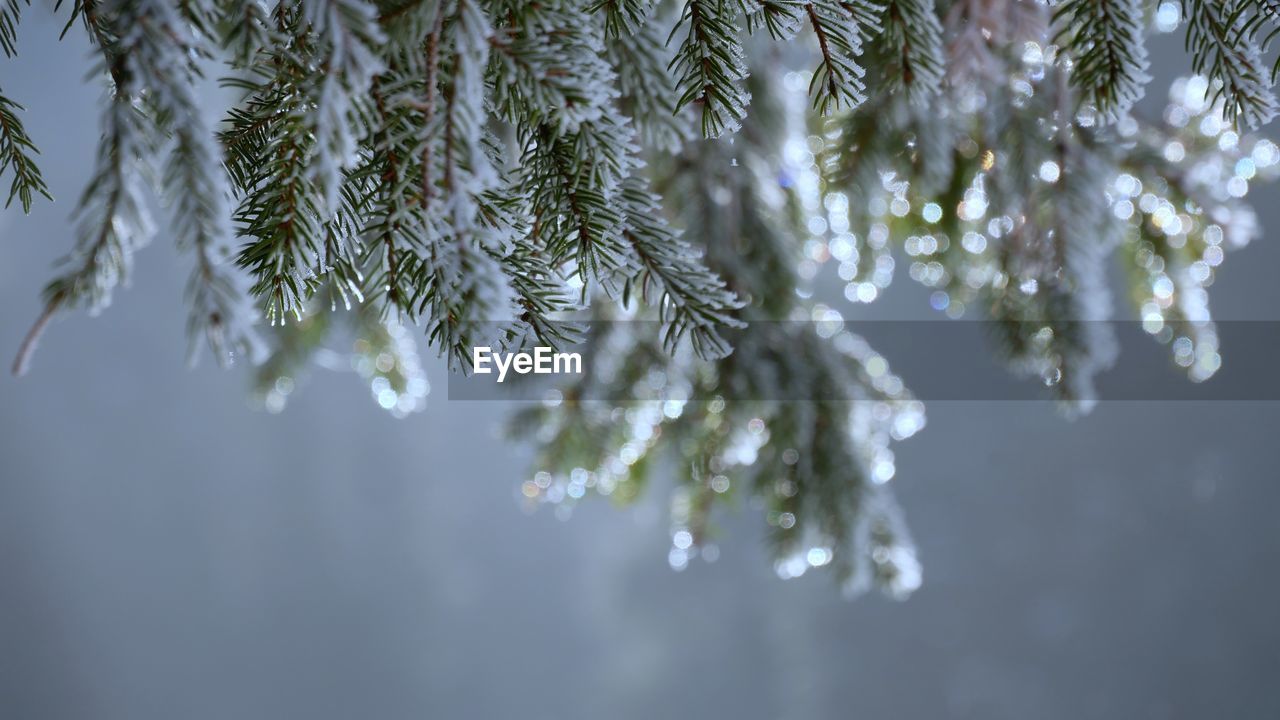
x,y
168,551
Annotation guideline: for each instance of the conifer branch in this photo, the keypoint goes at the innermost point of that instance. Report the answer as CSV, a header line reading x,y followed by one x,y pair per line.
x,y
648,92
429,106
281,209
397,201
548,67
817,468
781,18
711,66
459,161
193,179
1222,49
913,34
341,38
478,168
112,215
691,301
17,154
244,30
576,176
463,285
1106,43
840,28
10,16
621,17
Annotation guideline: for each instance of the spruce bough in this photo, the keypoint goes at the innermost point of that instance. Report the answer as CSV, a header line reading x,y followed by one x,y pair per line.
x,y
482,167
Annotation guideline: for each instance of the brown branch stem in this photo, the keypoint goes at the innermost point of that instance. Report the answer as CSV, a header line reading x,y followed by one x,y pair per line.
x,y
22,362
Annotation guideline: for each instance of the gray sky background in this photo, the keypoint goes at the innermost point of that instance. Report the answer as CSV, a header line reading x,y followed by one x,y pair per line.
x,y
168,552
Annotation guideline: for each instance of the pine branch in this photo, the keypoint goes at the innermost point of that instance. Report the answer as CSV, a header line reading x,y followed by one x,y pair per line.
x,y
17,152
648,91
817,467
838,82
1223,50
429,108
294,235
10,15
221,309
1106,43
573,180
468,171
621,17
461,286
244,30
112,216
340,38
162,56
460,290
113,220
541,297
913,34
781,18
1261,23
280,211
396,227
711,66
692,301
548,68
1056,305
